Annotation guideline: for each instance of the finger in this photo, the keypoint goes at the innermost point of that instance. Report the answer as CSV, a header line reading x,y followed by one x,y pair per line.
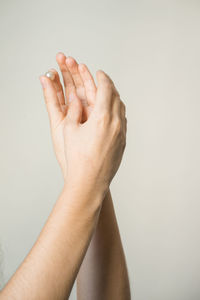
x,y
67,78
75,109
72,66
104,93
113,85
51,100
89,84
59,89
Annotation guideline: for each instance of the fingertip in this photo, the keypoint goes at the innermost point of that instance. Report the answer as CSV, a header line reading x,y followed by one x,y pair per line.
x,y
104,77
53,70
82,67
42,79
60,56
46,79
70,61
100,73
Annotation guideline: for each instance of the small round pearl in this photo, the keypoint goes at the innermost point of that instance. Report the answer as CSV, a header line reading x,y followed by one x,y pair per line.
x,y
50,74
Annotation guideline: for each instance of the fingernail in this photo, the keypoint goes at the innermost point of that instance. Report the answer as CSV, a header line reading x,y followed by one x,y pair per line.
x,y
42,81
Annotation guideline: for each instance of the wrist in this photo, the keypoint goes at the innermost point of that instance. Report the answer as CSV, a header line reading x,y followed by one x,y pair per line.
x,y
85,186
82,194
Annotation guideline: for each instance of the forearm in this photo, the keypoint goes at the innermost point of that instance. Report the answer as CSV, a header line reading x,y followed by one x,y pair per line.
x,y
103,273
49,271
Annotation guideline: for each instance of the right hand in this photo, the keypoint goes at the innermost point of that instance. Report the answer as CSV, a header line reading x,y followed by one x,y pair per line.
x,y
94,149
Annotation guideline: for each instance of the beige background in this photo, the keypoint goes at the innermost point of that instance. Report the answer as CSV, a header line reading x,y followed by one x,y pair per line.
x,y
151,50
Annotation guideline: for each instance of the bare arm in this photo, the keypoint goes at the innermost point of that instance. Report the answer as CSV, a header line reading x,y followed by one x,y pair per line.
x,y
49,271
89,154
103,273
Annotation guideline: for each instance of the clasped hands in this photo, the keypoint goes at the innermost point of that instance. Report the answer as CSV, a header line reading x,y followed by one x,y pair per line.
x,y
88,124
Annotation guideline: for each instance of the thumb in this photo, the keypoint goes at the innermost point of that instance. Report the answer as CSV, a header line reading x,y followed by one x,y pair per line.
x,y
74,113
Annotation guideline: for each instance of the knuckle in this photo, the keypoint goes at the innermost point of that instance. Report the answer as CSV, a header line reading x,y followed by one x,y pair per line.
x,y
117,126
123,143
117,92
122,139
123,105
117,99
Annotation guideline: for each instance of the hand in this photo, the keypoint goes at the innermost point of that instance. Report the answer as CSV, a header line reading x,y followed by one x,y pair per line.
x,y
76,78
93,148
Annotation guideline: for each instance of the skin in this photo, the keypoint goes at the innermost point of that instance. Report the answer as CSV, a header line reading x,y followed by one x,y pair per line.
x,y
89,136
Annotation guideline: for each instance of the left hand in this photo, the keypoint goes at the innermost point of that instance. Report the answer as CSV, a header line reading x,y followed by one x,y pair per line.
x,y
77,78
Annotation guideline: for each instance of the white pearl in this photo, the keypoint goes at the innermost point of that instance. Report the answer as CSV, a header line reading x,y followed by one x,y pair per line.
x,y
50,74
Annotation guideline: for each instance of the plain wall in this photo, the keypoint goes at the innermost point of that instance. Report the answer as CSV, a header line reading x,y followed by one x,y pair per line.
x,y
151,49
